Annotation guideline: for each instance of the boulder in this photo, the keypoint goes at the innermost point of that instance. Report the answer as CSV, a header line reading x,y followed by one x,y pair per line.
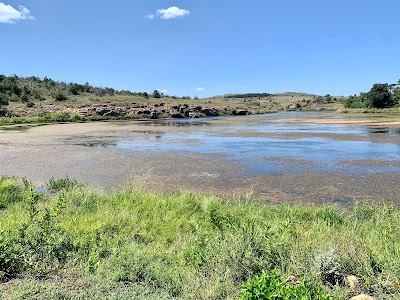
x,y
242,112
190,114
144,112
177,116
361,297
102,111
112,113
292,279
210,112
352,282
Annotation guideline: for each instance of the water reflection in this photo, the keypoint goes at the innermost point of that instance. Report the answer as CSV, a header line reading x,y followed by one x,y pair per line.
x,y
311,147
384,131
273,155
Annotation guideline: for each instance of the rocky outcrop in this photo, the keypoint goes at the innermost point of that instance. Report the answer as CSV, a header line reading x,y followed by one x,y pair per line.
x,y
242,112
136,110
210,112
177,116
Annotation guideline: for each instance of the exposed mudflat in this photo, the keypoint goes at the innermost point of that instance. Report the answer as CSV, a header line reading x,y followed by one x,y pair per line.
x,y
284,157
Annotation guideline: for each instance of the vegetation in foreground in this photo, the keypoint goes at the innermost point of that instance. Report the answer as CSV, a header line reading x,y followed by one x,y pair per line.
x,y
72,242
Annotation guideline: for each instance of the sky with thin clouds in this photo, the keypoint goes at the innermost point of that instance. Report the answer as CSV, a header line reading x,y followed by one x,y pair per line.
x,y
10,15
205,47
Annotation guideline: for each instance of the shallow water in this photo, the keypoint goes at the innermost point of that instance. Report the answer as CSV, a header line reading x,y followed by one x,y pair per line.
x,y
263,155
281,157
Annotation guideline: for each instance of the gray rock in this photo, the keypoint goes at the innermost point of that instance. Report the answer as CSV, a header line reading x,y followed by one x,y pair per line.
x,y
210,112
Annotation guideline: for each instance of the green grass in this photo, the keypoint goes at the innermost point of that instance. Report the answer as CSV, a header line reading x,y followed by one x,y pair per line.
x,y
79,243
392,110
43,118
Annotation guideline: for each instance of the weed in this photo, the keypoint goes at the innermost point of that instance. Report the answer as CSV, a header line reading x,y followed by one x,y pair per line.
x,y
56,185
269,285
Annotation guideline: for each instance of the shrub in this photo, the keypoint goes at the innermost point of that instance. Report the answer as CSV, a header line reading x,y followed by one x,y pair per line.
x,y
271,286
38,246
11,190
9,254
4,99
59,97
56,185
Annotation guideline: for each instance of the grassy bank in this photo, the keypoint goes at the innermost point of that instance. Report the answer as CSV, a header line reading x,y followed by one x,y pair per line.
x,y
57,118
393,110
47,118
73,242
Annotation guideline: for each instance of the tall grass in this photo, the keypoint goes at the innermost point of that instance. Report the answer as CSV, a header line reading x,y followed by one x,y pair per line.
x,y
80,243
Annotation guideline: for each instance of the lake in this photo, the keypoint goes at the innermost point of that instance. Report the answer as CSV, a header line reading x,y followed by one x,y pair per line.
x,y
282,157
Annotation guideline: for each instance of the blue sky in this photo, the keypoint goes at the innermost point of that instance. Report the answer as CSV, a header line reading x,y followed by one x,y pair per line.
x,y
205,47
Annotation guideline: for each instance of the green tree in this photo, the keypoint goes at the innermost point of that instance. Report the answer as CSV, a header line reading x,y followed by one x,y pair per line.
x,y
59,97
109,91
156,94
74,89
328,98
380,96
396,93
3,100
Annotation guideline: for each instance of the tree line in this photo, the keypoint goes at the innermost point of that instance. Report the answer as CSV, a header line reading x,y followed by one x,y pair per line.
x,y
25,89
381,95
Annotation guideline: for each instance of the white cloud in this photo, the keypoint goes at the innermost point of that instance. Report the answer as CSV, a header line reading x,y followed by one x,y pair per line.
x,y
199,89
9,14
151,17
172,12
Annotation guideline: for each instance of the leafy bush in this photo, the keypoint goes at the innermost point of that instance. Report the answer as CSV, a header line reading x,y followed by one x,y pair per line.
x,y
11,190
59,97
272,286
56,185
30,104
4,99
9,257
38,246
43,246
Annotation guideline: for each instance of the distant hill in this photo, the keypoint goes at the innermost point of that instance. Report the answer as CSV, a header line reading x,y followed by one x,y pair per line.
x,y
33,96
266,95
